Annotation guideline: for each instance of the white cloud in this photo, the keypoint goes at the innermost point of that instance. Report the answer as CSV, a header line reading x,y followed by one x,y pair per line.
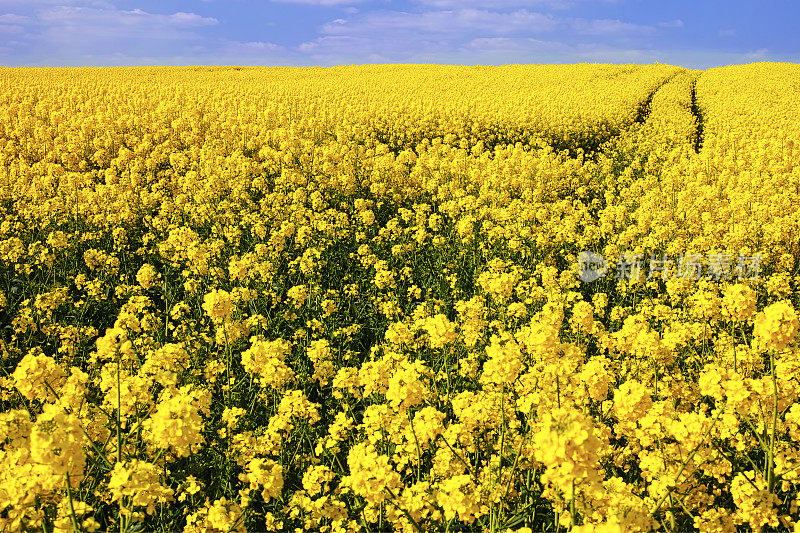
x,y
81,32
181,18
250,47
321,2
12,26
340,50
335,50
73,35
508,44
677,23
438,36
6,30
84,35
231,52
761,53
468,35
119,19
497,4
11,18
611,28
105,4
503,4
89,28
431,23
327,44
505,50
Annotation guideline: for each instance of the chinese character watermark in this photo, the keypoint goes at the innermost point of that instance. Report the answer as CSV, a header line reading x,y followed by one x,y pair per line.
x,y
717,266
592,266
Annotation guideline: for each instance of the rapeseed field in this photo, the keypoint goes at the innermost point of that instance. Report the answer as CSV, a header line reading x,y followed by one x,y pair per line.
x,y
400,298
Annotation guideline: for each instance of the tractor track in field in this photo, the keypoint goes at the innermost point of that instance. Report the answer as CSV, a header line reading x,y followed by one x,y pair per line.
x,y
643,109
699,119
590,148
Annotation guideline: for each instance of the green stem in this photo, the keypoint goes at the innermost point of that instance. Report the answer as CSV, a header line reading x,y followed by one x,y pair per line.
x,y
686,462
416,441
572,505
99,453
407,515
119,424
502,435
227,367
466,465
71,507
771,451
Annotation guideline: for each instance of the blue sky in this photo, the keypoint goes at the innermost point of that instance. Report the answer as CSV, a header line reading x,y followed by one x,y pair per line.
x,y
697,34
